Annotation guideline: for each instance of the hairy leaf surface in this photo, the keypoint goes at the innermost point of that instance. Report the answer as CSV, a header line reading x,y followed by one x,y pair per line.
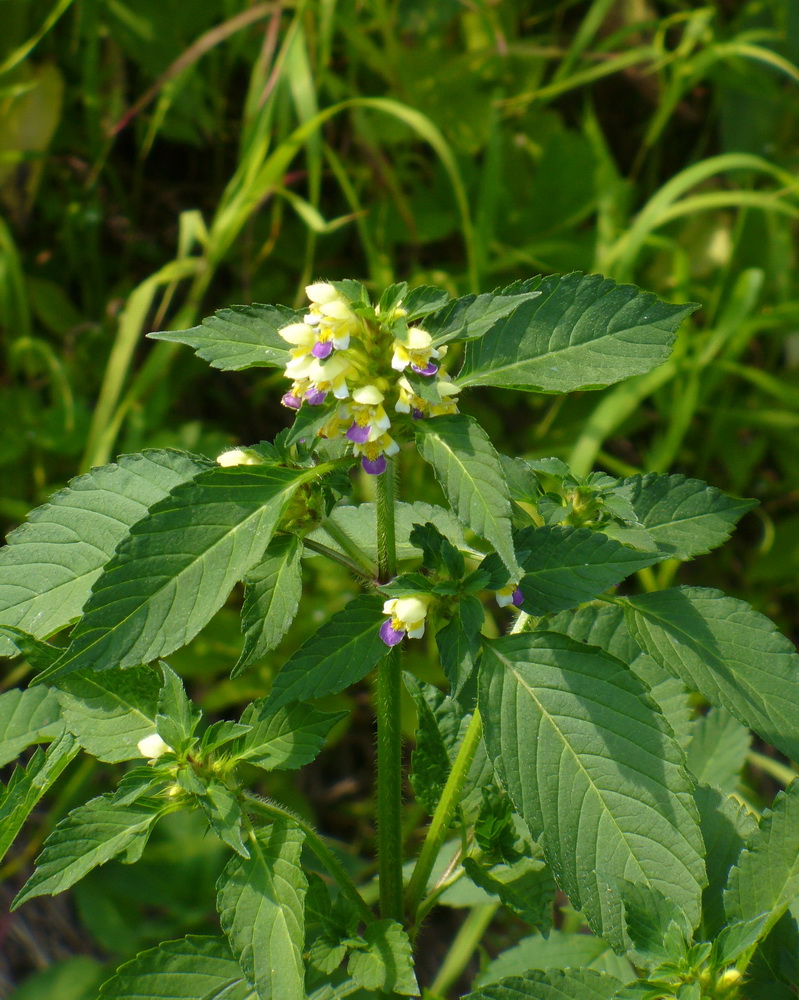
x,y
554,984
594,770
50,563
89,836
340,653
471,476
239,337
582,332
473,316
272,592
109,712
260,903
284,738
181,970
178,565
718,748
564,566
724,648
385,963
559,950
685,517
27,717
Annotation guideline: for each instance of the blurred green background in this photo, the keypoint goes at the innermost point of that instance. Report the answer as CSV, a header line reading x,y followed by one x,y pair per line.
x,y
160,159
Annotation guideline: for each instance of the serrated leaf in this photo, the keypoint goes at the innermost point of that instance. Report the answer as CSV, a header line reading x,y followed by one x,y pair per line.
x,y
386,963
567,984
260,903
239,337
177,566
437,738
765,879
28,784
605,627
109,712
471,476
284,738
583,332
50,563
341,652
223,810
726,825
38,653
458,647
27,717
594,770
181,970
473,316
724,648
657,928
309,421
89,836
685,517
559,950
564,566
178,716
272,594
525,886
718,748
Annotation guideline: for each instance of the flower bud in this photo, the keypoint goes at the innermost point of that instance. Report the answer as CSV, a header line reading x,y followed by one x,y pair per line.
x,y
153,747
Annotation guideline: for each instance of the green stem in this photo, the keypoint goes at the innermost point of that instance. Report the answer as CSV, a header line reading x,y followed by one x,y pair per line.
x,y
445,811
466,940
389,730
342,560
338,534
318,846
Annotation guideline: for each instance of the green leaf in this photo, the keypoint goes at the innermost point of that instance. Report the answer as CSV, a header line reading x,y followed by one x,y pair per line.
x,y
89,836
28,784
718,748
594,770
178,565
223,810
284,738
766,876
178,716
458,647
260,903
470,474
583,332
340,653
38,653
438,734
564,566
685,517
722,647
386,963
473,316
27,717
559,950
272,594
726,825
50,563
525,886
309,421
181,970
657,928
239,337
604,626
568,984
108,713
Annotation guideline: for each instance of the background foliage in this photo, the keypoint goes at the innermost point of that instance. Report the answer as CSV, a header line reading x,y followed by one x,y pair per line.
x,y
159,160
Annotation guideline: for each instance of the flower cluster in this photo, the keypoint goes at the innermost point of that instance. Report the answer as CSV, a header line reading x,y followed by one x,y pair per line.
x,y
362,359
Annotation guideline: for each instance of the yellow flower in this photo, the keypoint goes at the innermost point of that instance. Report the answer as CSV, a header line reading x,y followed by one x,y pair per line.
x,y
238,456
415,349
407,615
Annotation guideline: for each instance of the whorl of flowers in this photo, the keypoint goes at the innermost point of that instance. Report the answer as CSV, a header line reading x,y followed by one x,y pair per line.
x,y
361,358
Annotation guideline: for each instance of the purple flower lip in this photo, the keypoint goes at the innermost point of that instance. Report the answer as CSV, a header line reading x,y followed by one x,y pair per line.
x,y
429,369
417,414
291,401
315,397
390,635
375,467
322,349
358,434
518,598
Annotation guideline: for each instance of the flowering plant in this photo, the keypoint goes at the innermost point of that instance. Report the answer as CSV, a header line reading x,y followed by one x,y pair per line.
x,y
566,753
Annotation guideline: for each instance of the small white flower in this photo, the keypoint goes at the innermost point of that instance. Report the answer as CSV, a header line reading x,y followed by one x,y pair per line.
x,y
238,456
153,747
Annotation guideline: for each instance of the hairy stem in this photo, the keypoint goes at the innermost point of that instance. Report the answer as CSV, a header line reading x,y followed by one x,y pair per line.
x,y
389,733
342,560
254,804
442,818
